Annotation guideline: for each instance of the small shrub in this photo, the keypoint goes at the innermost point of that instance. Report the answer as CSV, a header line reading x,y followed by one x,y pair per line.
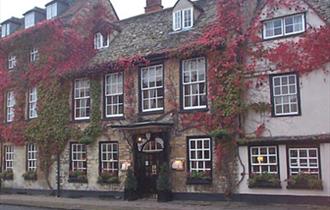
x,y
30,176
7,175
108,178
264,180
78,177
305,181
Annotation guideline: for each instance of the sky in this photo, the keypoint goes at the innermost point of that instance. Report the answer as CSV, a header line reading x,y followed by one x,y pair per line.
x,y
124,8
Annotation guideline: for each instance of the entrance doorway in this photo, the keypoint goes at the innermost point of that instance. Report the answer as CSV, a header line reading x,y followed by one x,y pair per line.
x,y
150,155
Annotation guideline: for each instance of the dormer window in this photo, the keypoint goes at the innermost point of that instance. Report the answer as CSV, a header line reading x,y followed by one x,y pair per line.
x,y
29,20
183,19
5,30
34,55
100,41
11,62
286,26
51,11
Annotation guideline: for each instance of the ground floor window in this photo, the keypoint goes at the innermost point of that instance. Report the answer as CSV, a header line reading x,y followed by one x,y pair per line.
x,y
109,157
263,159
8,157
31,157
199,154
78,157
304,160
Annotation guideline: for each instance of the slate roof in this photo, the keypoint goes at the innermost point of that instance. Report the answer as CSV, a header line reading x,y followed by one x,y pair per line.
x,y
322,7
152,33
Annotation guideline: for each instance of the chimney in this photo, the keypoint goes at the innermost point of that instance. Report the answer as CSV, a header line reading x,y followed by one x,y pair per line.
x,y
153,6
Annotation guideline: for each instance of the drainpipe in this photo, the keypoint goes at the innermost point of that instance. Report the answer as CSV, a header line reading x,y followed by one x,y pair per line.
x,y
58,191
1,162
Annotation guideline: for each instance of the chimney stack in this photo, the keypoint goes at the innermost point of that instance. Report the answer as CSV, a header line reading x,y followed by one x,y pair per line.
x,y
153,6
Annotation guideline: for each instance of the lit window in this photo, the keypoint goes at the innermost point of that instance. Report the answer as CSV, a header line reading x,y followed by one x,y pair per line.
x,y
200,155
31,157
29,20
82,99
304,160
10,106
264,160
109,158
11,62
152,89
33,98
51,11
100,41
183,19
114,95
5,30
34,55
78,157
9,157
284,26
285,95
194,83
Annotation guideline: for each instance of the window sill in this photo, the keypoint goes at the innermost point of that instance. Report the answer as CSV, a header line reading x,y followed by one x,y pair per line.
x,y
282,37
198,181
194,110
143,113
286,115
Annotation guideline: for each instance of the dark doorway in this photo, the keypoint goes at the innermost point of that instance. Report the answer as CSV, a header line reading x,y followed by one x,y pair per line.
x,y
150,155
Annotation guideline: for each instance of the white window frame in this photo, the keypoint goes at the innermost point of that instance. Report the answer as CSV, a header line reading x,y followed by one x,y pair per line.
x,y
298,167
204,160
283,26
78,157
33,100
34,55
266,159
177,20
191,83
114,90
109,157
51,11
152,76
9,155
184,26
10,106
32,157
85,99
29,20
287,99
12,62
100,42
5,30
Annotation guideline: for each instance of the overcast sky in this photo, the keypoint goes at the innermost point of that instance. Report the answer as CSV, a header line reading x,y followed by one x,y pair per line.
x,y
124,8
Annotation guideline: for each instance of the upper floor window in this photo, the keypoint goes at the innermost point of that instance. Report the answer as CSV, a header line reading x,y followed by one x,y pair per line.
x,y
194,83
284,26
114,95
285,95
264,160
31,157
10,106
82,101
304,160
152,88
34,55
33,98
5,30
9,157
51,11
29,20
183,19
100,41
11,62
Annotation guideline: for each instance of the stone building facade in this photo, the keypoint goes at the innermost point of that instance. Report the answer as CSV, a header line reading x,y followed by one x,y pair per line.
x,y
168,87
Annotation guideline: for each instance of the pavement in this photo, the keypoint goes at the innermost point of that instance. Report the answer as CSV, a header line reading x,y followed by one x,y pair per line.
x,y
22,202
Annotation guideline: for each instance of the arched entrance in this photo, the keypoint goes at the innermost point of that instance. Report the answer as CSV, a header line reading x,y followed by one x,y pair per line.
x,y
150,155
